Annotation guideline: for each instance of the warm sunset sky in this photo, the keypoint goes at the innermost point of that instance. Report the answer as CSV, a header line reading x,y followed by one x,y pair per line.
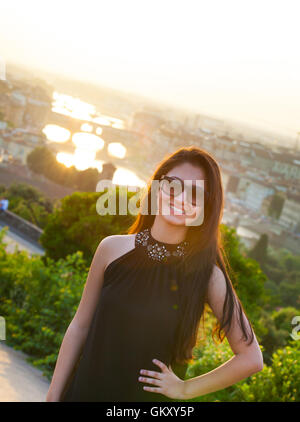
x,y
229,58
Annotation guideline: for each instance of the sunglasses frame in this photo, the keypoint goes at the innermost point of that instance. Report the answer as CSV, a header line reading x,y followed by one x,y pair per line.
x,y
171,178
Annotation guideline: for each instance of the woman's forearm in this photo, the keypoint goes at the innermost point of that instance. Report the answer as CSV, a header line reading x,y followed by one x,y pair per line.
x,y
234,370
69,353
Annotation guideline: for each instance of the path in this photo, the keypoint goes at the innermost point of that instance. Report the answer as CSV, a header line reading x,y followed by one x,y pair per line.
x,y
14,240
20,381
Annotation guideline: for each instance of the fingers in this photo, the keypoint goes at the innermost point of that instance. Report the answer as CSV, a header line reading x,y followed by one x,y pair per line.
x,y
151,373
150,380
153,390
157,377
162,366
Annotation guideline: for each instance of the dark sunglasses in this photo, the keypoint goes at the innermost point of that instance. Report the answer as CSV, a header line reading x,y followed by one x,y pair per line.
x,y
174,186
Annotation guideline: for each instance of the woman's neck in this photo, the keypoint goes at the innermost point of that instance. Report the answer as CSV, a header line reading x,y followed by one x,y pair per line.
x,y
167,233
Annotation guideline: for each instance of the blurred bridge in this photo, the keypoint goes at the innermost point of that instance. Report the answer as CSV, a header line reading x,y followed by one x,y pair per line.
x,y
136,144
109,133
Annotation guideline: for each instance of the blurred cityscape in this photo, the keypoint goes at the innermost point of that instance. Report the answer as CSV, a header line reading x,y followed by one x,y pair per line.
x,y
124,137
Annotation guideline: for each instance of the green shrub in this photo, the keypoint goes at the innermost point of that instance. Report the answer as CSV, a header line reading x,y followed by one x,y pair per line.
x,y
38,301
279,382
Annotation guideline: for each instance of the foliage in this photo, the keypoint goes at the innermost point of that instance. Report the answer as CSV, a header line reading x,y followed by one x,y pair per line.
x,y
28,203
259,251
246,275
42,161
276,205
38,301
279,382
283,271
40,295
276,329
76,225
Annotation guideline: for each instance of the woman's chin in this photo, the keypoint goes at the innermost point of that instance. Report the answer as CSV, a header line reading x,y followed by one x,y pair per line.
x,y
179,220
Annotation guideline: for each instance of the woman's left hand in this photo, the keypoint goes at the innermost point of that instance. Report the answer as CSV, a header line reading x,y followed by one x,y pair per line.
x,y
166,382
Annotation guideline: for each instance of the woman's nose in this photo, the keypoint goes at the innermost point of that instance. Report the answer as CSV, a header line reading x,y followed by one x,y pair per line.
x,y
182,201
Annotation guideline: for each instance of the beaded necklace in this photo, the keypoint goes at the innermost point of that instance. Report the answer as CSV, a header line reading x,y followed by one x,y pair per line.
x,y
160,251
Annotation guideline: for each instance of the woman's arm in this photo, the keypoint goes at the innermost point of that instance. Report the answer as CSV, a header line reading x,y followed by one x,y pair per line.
x,y
247,359
77,331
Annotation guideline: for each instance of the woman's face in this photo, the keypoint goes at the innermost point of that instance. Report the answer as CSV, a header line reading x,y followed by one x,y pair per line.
x,y
182,209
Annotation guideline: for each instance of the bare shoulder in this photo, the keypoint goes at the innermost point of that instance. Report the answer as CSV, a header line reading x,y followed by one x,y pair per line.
x,y
116,245
114,240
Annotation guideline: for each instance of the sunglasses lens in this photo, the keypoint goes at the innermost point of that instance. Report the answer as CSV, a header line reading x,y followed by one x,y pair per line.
x,y
195,194
171,187
174,187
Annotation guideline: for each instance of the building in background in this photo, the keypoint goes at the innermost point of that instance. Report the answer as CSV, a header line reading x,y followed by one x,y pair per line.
x,y
145,122
290,214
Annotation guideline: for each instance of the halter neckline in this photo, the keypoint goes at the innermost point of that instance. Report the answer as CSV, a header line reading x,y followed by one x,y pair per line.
x,y
158,250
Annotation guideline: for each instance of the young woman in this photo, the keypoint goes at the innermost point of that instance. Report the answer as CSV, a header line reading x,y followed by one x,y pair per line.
x,y
137,322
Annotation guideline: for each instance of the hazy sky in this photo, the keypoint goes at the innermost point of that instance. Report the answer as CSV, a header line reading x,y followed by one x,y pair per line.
x,y
228,58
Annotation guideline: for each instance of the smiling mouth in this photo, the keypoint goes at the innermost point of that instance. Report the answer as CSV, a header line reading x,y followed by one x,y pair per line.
x,y
180,210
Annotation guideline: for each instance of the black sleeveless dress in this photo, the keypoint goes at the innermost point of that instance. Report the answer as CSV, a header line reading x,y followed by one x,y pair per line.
x,y
135,321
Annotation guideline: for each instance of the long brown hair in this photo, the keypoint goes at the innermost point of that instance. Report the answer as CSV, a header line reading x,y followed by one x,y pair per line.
x,y
206,251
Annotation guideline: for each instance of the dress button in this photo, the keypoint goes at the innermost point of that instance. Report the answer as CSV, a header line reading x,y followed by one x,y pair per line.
x,y
173,285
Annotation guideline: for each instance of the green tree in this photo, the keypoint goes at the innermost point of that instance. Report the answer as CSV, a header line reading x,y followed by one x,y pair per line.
x,y
86,180
246,274
39,298
29,203
274,335
290,292
276,205
41,160
260,250
76,225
